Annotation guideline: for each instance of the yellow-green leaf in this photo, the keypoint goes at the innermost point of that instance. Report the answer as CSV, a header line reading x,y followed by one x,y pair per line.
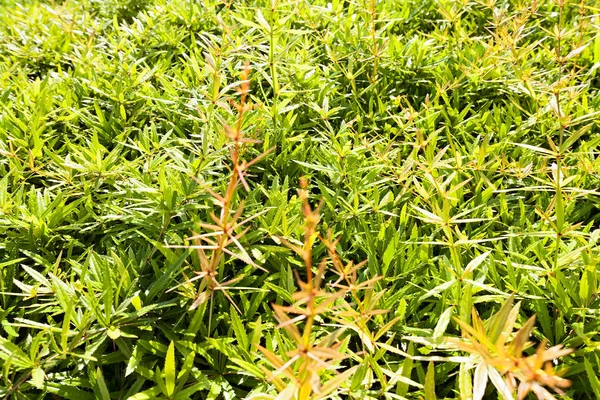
x,y
170,370
37,377
430,382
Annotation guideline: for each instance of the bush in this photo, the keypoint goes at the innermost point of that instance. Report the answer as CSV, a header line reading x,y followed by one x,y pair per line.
x,y
303,199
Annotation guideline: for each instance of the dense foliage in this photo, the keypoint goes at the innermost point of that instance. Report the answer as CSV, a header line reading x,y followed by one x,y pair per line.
x,y
210,199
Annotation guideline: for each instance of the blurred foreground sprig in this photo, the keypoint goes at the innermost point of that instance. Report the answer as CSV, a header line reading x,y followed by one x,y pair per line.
x,y
499,355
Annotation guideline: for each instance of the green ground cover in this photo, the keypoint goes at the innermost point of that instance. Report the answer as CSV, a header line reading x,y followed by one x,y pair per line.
x,y
205,199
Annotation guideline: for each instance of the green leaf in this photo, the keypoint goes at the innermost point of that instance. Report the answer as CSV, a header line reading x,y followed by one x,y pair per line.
x,y
238,329
464,382
496,323
257,332
12,354
64,334
262,21
430,382
474,263
437,289
388,255
214,392
151,393
68,392
170,372
38,377
113,332
407,366
443,321
105,395
593,377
